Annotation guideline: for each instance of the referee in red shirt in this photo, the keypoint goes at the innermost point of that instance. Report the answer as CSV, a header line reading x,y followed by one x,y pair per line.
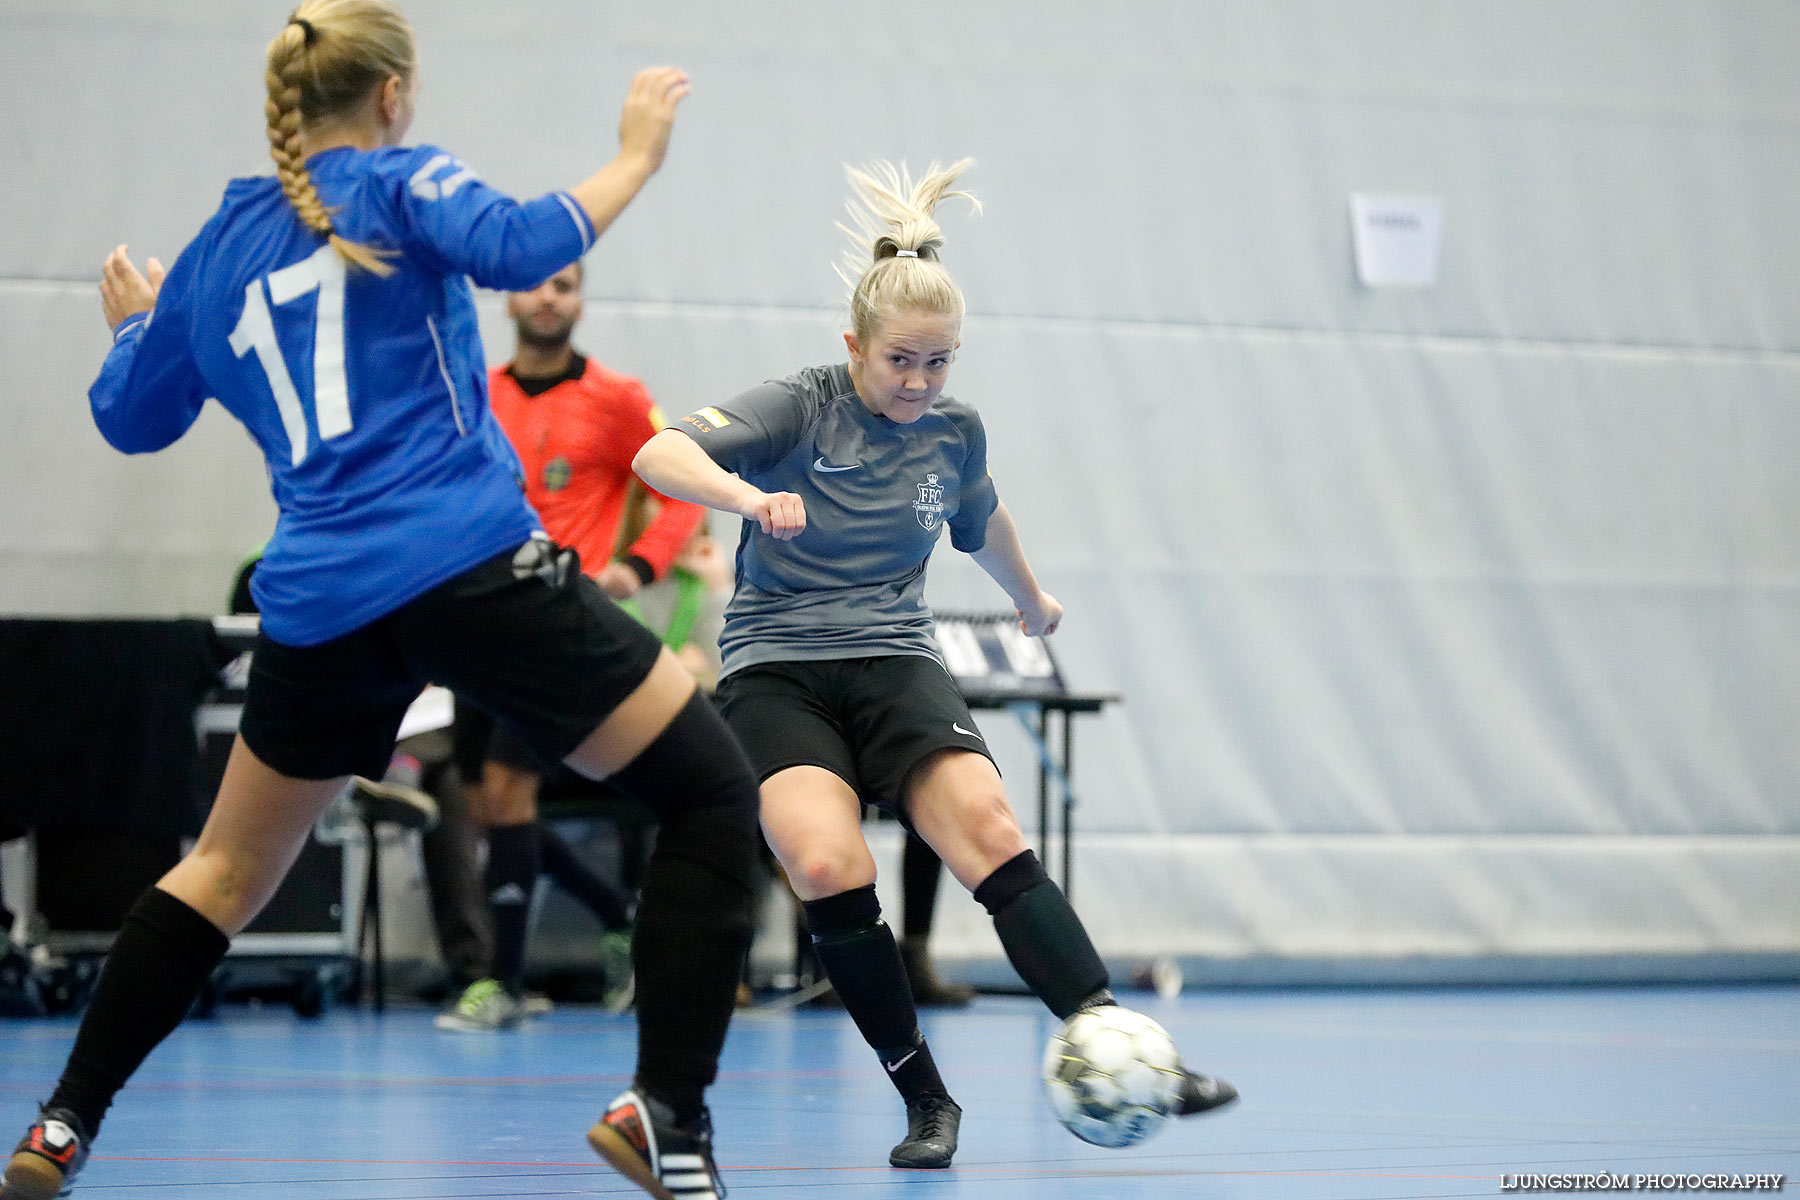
x,y
576,426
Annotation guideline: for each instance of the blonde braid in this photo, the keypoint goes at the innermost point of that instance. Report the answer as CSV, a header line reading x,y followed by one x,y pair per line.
x,y
287,72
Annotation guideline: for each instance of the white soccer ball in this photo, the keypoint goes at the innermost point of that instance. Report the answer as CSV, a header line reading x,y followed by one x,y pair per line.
x,y
1112,1076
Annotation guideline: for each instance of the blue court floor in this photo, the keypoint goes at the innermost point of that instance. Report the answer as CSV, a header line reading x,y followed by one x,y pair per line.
x,y
1347,1094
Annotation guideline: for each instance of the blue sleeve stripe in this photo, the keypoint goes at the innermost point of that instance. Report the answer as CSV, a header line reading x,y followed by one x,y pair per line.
x,y
585,226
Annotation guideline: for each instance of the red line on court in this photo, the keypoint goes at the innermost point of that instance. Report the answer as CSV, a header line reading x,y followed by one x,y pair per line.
x,y
381,1081
974,1169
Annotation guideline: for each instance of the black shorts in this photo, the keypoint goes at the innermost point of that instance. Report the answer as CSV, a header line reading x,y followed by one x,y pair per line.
x,y
475,738
525,636
869,721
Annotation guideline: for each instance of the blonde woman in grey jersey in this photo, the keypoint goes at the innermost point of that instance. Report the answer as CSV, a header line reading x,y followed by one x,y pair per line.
x,y
845,476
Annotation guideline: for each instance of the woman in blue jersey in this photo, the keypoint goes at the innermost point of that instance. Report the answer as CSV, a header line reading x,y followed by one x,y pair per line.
x,y
846,475
329,310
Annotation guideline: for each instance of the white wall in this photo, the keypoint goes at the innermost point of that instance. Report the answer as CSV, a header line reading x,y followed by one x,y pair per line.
x,y
1454,622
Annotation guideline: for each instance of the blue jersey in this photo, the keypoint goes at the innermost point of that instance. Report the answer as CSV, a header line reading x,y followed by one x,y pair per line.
x,y
367,395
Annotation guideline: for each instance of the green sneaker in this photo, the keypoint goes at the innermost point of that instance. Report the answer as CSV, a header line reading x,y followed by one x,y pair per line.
x,y
485,1007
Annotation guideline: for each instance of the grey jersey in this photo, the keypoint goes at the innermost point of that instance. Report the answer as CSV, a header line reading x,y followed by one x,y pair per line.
x,y
877,495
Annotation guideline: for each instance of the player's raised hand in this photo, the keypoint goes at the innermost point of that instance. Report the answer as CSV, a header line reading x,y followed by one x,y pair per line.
x,y
782,515
124,292
1040,618
649,115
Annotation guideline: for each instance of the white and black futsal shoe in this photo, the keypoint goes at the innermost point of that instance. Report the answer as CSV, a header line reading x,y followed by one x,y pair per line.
x,y
47,1158
639,1137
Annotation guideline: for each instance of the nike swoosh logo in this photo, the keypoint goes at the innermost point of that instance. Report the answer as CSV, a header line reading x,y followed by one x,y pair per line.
x,y
892,1067
819,464
966,732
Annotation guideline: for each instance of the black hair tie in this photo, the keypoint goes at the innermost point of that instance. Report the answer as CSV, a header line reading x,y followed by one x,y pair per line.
x,y
307,28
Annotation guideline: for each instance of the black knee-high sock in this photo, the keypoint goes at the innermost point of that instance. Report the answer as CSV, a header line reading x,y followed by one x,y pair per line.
x,y
608,904
920,871
163,956
1043,937
858,952
512,871
693,919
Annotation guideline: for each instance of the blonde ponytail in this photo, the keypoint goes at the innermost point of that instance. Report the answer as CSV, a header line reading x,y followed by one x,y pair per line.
x,y
324,63
893,265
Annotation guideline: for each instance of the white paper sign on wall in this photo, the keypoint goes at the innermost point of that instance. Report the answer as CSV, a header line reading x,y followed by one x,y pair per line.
x,y
1396,238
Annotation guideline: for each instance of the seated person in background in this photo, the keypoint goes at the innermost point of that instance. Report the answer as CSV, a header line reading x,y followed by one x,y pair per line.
x,y
574,427
686,609
485,1004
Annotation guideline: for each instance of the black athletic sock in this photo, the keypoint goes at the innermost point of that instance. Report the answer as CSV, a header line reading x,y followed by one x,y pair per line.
x,y
920,871
162,957
1043,937
608,904
512,871
858,952
693,919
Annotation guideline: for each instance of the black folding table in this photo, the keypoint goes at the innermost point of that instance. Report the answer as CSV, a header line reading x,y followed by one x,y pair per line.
x,y
997,666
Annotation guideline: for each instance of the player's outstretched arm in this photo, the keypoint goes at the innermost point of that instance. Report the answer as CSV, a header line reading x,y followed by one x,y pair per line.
x,y
1003,558
149,391
675,465
644,128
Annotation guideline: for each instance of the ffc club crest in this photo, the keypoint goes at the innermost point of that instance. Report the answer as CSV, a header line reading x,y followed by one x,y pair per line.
x,y
556,474
929,507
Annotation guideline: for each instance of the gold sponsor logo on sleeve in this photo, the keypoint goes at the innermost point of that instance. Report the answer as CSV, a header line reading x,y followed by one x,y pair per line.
x,y
707,419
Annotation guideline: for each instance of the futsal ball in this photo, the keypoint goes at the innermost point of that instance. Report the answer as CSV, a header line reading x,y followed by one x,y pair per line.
x,y
1112,1076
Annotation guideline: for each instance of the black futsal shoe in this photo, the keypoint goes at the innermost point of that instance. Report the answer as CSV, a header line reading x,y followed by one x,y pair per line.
x,y
639,1137
931,1126
1202,1093
47,1158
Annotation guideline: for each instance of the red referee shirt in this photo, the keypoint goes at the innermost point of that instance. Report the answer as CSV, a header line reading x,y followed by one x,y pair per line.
x,y
576,439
